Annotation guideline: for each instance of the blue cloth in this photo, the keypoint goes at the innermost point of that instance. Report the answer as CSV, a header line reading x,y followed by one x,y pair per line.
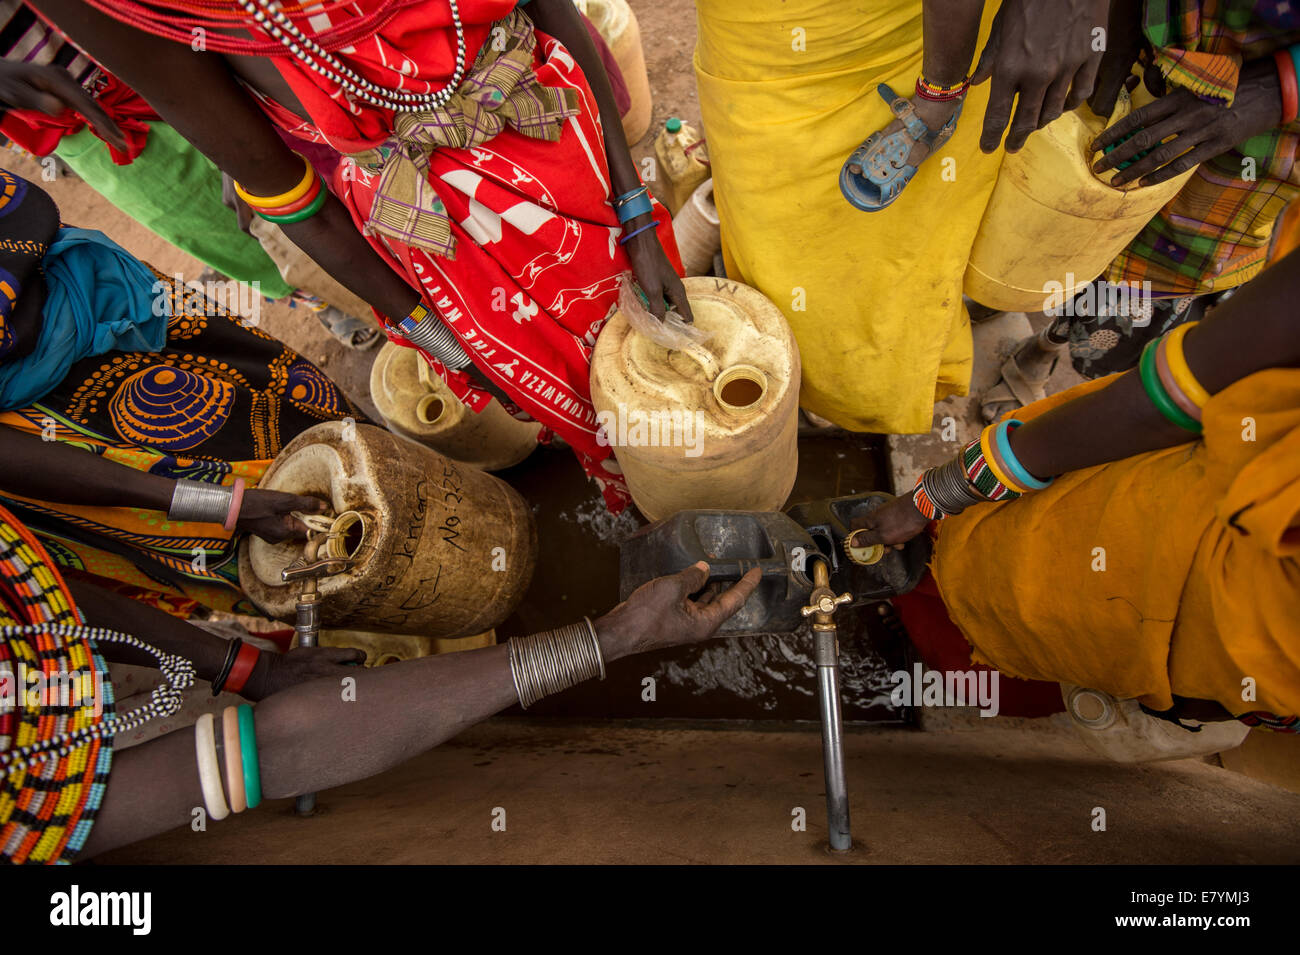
x,y
100,299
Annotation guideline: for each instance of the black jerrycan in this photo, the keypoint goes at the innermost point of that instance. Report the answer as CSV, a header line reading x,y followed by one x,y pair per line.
x,y
782,546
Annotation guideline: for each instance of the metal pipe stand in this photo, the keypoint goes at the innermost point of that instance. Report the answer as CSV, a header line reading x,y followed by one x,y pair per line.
x,y
826,654
310,568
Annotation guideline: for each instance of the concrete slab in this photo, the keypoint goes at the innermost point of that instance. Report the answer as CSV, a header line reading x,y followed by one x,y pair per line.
x,y
1016,792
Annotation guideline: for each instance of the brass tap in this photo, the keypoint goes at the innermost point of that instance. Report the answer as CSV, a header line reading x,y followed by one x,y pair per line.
x,y
310,568
823,602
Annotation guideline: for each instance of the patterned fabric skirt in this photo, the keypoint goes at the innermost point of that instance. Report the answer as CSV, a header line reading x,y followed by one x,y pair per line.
x,y
217,403
46,811
1106,339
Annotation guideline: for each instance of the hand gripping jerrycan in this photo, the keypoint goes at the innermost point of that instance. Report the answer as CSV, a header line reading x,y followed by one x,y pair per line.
x,y
783,546
1052,225
711,425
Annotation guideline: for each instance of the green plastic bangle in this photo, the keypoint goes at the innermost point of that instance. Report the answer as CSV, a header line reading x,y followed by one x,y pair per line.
x,y
304,213
1155,390
248,756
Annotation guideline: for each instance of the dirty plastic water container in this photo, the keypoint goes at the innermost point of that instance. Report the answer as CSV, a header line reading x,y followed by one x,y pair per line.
x,y
733,543
683,163
1119,730
415,403
698,230
443,550
1052,220
617,24
711,426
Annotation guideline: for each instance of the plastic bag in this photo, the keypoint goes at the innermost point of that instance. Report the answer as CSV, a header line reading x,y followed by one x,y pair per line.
x,y
671,332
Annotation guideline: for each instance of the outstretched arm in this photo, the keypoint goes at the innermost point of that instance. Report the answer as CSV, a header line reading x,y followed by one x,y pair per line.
x,y
1257,328
197,94
52,471
561,20
310,738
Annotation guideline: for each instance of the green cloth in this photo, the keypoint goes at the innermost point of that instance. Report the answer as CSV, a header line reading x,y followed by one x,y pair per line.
x,y
175,190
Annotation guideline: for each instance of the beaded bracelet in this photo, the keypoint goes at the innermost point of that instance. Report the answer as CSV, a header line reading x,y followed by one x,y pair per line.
x,y
284,198
1155,390
981,475
652,224
995,463
967,479
937,93
248,754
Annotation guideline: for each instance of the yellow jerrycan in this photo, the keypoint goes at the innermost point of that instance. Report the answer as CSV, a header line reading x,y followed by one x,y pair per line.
x,y
1052,225
415,403
440,549
713,425
617,24
682,162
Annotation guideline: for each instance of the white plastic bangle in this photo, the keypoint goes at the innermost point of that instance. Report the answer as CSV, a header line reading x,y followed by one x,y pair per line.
x,y
205,749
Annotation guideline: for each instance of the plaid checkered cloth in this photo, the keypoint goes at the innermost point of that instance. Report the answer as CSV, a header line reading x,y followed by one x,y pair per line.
x,y
499,91
1214,234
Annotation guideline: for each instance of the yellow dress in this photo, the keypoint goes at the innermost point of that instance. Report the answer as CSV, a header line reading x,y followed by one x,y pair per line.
x,y
787,92
1171,572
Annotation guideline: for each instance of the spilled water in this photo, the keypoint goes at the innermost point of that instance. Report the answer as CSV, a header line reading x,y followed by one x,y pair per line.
x,y
758,677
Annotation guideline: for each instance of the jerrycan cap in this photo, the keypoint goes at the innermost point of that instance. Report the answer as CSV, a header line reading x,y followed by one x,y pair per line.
x,y
673,124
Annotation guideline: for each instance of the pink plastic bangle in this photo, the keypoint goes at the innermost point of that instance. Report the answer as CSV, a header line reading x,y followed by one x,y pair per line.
x,y
236,501
1171,386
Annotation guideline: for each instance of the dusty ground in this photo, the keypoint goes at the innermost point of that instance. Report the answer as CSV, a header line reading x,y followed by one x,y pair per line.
x,y
574,793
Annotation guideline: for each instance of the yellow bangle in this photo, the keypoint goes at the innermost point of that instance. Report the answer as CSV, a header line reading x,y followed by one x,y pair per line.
x,y
995,464
1183,376
284,198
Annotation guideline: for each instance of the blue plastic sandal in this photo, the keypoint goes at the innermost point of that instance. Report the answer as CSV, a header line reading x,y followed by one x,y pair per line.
x,y
877,172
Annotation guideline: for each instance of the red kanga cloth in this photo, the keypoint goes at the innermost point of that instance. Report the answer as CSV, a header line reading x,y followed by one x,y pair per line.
x,y
537,262
40,134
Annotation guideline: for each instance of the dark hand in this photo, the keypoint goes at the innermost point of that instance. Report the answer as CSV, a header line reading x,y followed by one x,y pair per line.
x,y
893,523
654,273
1044,53
1125,42
230,199
1196,130
279,671
269,514
661,614
51,89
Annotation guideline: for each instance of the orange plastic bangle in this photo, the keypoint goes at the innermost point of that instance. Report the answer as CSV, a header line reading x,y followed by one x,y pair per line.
x,y
235,793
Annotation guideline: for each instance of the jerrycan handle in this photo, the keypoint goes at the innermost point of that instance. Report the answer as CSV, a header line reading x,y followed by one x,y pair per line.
x,y
704,358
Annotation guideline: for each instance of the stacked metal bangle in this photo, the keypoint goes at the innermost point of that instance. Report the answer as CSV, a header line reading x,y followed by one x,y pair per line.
x,y
200,501
948,487
546,663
